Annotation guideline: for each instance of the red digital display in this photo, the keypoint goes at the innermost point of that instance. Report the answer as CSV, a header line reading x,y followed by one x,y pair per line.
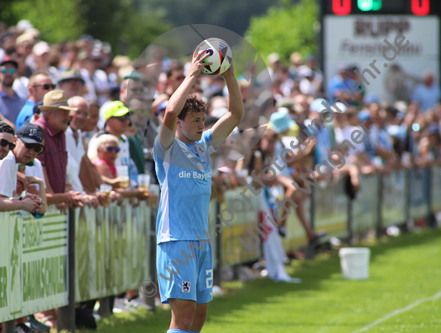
x,y
341,7
420,7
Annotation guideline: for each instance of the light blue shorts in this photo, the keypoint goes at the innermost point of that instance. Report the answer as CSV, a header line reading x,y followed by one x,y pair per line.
x,y
191,276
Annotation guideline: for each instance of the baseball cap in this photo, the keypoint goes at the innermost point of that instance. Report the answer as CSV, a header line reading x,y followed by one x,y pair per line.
x,y
364,115
30,133
71,74
134,75
281,122
115,109
9,60
41,48
317,105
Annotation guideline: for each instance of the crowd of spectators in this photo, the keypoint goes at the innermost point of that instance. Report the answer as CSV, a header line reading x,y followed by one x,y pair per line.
x,y
73,115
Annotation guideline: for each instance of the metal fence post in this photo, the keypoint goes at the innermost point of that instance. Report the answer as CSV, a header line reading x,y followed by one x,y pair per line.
x,y
9,326
66,314
150,300
379,226
310,248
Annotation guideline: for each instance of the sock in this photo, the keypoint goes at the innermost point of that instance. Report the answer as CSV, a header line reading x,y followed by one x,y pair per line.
x,y
174,330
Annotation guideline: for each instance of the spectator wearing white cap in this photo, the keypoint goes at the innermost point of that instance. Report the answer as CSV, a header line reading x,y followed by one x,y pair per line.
x,y
40,55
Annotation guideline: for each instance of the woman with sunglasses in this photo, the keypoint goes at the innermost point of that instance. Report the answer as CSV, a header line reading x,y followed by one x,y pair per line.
x,y
108,149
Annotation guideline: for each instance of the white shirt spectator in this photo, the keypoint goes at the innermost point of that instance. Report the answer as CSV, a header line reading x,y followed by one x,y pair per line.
x,y
76,152
345,134
8,175
101,85
91,93
20,86
36,171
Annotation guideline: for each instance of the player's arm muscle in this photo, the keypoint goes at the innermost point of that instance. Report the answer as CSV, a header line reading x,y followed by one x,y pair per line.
x,y
225,125
178,99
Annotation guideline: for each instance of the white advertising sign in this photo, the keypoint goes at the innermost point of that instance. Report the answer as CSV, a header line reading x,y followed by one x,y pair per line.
x,y
33,263
359,40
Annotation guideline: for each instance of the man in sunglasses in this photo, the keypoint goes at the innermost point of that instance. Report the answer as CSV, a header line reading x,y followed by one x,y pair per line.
x,y
19,149
54,122
10,102
39,84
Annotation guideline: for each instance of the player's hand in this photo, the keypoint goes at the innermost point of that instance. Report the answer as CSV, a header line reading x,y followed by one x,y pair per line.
x,y
228,72
29,204
197,63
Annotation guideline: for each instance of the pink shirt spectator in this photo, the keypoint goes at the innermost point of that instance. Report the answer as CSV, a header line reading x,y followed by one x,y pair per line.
x,y
112,167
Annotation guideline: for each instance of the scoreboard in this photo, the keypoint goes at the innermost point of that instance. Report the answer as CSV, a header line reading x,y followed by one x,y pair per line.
x,y
353,33
392,7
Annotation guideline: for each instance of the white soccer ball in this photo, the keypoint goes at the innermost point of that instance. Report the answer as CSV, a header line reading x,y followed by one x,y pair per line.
x,y
221,56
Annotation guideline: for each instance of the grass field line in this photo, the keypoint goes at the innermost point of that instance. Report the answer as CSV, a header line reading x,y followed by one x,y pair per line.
x,y
407,308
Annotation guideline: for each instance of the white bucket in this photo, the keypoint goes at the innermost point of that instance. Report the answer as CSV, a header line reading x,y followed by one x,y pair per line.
x,y
355,262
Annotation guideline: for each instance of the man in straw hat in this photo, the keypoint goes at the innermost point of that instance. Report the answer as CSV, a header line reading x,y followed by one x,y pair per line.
x,y
54,123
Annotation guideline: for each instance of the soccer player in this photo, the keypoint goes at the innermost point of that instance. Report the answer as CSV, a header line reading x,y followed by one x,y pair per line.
x,y
182,158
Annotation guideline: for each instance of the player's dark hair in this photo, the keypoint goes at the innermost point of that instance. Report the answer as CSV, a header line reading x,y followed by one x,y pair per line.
x,y
5,128
193,105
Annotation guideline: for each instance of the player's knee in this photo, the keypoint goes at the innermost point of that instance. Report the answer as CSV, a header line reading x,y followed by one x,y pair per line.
x,y
199,319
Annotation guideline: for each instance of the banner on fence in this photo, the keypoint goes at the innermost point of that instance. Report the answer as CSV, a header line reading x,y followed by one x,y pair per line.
x,y
233,251
394,193
33,263
331,208
112,247
435,188
419,193
365,206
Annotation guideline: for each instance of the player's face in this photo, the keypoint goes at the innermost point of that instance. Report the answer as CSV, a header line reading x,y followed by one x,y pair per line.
x,y
193,125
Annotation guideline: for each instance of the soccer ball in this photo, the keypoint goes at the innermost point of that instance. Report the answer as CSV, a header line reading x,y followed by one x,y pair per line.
x,y
221,55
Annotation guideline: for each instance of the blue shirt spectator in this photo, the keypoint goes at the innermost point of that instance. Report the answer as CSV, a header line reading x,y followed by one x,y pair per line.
x,y
426,94
39,84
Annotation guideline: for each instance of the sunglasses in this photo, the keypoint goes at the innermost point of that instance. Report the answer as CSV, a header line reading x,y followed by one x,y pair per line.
x,y
135,90
10,70
110,149
47,86
122,118
37,148
4,143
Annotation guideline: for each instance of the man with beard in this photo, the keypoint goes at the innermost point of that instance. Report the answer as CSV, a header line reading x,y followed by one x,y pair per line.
x,y
10,102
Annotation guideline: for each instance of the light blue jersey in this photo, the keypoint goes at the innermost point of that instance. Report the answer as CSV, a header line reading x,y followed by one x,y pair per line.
x,y
184,175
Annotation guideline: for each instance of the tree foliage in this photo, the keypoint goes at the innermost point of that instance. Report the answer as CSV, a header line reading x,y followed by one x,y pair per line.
x,y
122,23
230,14
56,20
286,29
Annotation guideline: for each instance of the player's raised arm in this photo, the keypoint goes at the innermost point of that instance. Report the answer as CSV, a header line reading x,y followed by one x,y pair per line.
x,y
225,125
177,100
